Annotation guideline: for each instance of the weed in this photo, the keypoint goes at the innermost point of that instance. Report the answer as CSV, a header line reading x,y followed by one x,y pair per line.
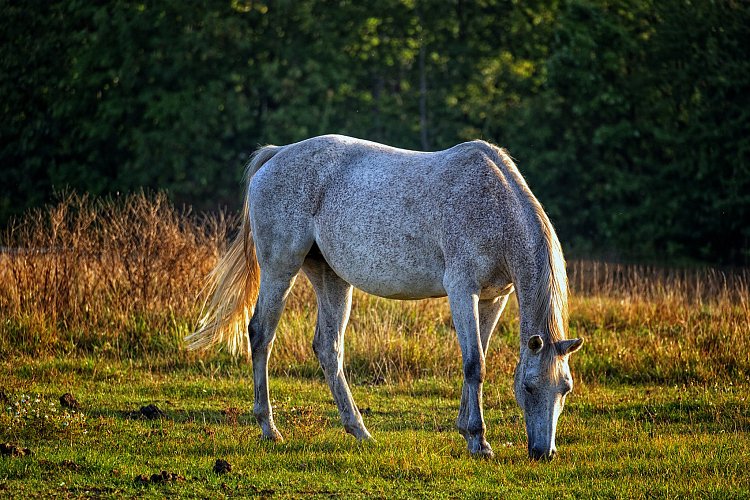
x,y
34,415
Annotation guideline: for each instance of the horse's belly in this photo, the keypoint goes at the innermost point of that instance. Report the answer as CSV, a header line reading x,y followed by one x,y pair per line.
x,y
392,280
408,286
402,268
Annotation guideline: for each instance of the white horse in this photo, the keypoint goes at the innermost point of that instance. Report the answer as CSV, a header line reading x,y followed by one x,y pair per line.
x,y
400,224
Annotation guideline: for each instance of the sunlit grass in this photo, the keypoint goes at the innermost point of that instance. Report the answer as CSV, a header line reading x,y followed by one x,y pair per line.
x,y
613,441
121,278
659,409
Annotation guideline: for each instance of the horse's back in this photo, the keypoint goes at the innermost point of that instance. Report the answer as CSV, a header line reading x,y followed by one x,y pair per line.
x,y
392,222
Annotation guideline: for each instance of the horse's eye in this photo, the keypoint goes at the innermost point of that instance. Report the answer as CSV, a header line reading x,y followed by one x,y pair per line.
x,y
528,389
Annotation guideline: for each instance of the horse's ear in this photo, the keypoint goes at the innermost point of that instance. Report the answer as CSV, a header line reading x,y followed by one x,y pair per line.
x,y
568,346
535,343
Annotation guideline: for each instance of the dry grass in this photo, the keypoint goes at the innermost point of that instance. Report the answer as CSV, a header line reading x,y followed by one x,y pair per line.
x,y
650,324
120,277
115,273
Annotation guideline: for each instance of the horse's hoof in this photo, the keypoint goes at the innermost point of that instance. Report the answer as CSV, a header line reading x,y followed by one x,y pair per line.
x,y
361,434
274,436
484,450
484,453
366,438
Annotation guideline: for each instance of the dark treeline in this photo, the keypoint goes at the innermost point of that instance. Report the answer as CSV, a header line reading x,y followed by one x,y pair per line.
x,y
630,119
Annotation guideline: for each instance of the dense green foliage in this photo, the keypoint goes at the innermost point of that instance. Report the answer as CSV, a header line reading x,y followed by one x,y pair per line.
x,y
629,118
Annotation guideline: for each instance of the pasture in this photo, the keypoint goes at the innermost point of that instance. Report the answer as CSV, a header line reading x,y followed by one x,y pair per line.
x,y
101,304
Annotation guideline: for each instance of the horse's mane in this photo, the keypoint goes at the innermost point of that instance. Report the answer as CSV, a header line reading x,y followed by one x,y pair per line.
x,y
550,298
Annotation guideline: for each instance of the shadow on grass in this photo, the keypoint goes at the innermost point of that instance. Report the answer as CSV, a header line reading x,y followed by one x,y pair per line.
x,y
725,415
706,414
229,416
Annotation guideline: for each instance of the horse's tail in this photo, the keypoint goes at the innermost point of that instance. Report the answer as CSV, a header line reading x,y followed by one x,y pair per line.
x,y
231,289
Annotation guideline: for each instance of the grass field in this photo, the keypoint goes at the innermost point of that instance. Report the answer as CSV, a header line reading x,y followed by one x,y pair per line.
x,y
614,441
660,407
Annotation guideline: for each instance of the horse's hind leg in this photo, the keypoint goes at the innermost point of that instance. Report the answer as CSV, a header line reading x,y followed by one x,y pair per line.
x,y
489,313
464,309
334,303
274,288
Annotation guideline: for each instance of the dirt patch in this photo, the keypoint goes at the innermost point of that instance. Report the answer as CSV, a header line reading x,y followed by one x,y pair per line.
x,y
304,420
152,412
50,466
222,466
231,415
158,433
162,477
13,450
67,400
70,465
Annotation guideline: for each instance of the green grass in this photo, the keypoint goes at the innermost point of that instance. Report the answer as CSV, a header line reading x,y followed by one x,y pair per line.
x,y
614,441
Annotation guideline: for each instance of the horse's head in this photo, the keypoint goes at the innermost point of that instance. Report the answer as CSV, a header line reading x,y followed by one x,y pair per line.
x,y
542,381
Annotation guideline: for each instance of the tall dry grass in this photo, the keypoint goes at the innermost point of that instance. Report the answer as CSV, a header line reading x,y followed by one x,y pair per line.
x,y
121,278
117,274
656,324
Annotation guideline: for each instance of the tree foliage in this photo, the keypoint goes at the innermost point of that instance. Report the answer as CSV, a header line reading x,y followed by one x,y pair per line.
x,y
629,118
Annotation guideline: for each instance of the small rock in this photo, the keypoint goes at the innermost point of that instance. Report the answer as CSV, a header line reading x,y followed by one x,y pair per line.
x,y
68,401
13,450
152,412
222,466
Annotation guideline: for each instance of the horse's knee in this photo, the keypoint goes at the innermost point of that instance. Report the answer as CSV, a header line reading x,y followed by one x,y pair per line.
x,y
317,343
260,413
475,426
474,370
259,338
255,337
324,346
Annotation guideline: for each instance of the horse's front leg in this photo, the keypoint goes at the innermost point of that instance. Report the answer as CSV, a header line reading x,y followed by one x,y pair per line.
x,y
464,308
489,313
